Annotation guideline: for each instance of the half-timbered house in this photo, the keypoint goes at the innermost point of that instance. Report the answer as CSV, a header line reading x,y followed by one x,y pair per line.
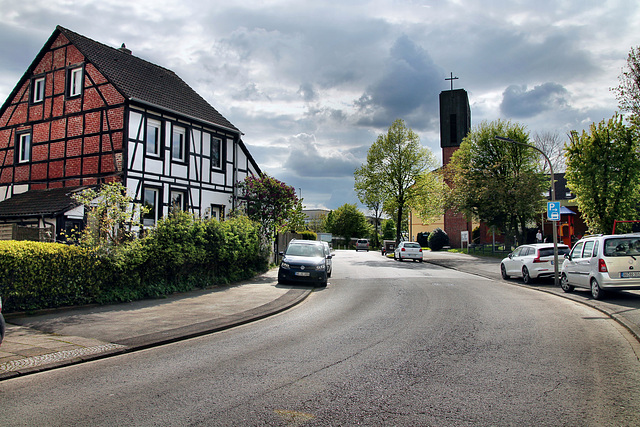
x,y
85,113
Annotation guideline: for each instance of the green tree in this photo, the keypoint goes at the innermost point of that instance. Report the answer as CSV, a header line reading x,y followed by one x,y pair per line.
x,y
429,197
270,202
628,91
603,171
347,222
388,229
370,191
495,181
397,160
111,216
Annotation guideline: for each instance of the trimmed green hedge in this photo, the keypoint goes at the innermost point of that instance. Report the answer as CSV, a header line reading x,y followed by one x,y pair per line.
x,y
182,253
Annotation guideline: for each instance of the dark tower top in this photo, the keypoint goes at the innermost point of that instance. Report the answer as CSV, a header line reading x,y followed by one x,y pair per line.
x,y
455,117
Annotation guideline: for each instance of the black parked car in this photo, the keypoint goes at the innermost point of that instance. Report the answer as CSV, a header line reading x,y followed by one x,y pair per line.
x,y
304,261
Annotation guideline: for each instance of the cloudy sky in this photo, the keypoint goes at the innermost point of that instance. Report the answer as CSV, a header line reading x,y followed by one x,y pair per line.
x,y
312,84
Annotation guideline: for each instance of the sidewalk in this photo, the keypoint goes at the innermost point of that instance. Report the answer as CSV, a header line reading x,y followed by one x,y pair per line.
x,y
623,307
57,338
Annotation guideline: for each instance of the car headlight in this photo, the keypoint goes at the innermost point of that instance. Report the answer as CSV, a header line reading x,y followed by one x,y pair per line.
x,y
320,267
284,265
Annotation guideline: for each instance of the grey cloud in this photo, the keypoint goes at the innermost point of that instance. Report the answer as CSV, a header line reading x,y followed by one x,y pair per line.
x,y
307,92
408,89
519,102
307,158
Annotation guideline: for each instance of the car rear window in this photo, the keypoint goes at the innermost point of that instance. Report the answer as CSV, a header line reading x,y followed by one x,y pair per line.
x,y
549,251
622,246
412,245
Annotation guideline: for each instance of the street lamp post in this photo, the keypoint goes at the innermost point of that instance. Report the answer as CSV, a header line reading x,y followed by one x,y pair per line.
x,y
553,199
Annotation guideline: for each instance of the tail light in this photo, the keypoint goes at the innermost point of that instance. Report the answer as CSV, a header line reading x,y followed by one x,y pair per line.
x,y
602,266
537,259
403,249
420,249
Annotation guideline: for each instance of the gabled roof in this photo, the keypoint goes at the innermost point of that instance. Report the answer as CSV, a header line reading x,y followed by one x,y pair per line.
x,y
37,203
140,80
136,79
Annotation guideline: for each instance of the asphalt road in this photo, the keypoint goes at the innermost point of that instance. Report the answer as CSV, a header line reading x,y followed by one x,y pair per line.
x,y
386,343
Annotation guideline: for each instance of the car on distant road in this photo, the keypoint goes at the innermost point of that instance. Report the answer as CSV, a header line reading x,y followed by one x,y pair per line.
x,y
362,244
327,252
304,261
408,250
2,326
602,263
532,261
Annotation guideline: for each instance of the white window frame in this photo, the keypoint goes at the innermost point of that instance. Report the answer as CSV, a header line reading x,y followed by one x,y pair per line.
x,y
153,148
182,194
38,90
216,212
24,147
75,81
181,134
151,217
215,165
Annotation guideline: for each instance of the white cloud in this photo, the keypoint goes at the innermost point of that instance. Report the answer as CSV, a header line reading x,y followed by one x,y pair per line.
x,y
312,84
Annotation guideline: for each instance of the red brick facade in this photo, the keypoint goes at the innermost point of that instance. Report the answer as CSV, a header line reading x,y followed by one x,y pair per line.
x,y
74,140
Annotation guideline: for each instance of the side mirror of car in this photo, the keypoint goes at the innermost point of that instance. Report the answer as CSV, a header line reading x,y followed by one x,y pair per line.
x,y
567,256
510,255
329,256
281,253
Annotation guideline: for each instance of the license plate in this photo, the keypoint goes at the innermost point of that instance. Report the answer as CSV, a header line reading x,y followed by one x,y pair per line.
x,y
302,273
629,274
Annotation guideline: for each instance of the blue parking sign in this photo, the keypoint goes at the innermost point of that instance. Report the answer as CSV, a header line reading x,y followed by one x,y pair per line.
x,y
553,211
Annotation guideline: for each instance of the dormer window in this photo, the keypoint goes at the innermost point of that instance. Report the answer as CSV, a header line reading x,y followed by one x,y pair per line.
x,y
75,81
37,90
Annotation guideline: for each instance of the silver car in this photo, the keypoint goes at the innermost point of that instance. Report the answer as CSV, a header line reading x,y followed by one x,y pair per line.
x,y
601,263
531,261
329,255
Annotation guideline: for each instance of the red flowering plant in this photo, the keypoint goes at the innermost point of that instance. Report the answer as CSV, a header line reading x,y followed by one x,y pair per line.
x,y
270,202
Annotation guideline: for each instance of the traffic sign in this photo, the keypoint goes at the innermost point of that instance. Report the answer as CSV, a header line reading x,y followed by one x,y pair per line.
x,y
553,211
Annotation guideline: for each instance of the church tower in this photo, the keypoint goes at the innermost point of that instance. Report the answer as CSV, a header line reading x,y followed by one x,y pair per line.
x,y
455,123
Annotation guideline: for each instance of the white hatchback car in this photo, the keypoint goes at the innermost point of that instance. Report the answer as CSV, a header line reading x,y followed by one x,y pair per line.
x,y
531,261
601,263
408,250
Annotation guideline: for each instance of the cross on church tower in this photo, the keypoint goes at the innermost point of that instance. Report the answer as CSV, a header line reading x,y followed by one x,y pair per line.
x,y
451,79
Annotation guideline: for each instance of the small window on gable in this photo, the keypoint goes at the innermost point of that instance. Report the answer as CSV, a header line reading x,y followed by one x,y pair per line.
x,y
152,137
178,144
24,147
37,90
151,201
75,81
216,148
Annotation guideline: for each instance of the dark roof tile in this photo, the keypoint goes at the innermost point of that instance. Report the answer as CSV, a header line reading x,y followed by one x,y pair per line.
x,y
141,80
35,203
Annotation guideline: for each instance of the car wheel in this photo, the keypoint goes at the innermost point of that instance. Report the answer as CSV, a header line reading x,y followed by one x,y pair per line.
x,y
564,283
526,277
503,271
596,291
